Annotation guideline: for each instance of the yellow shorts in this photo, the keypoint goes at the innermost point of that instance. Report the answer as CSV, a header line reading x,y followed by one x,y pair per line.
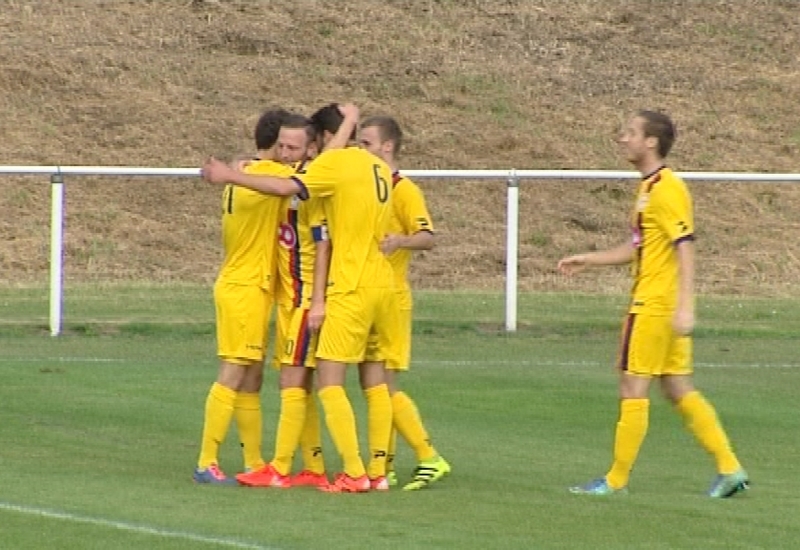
x,y
295,344
354,318
398,355
651,348
283,318
243,314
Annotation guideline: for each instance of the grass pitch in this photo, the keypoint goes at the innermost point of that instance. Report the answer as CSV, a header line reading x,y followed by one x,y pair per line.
x,y
100,431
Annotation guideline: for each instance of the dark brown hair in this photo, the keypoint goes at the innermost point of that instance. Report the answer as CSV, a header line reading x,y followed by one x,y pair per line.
x,y
661,127
268,126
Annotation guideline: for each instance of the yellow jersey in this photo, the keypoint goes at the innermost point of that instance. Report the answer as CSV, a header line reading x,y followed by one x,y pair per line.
x,y
410,216
249,221
302,226
356,188
662,218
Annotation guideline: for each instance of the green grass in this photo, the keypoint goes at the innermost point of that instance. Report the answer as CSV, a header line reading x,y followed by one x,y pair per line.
x,y
100,431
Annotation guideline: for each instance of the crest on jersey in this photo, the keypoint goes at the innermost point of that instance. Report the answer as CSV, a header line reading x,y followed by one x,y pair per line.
x,y
287,235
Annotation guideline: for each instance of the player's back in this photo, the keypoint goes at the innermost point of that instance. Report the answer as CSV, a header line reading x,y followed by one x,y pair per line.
x,y
358,190
249,224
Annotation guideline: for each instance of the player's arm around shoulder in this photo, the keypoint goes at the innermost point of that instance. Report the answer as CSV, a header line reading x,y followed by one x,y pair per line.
x,y
269,168
218,172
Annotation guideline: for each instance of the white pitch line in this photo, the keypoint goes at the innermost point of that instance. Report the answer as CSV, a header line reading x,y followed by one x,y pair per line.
x,y
62,360
747,365
131,527
576,364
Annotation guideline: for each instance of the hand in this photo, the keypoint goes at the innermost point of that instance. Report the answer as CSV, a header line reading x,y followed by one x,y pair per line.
x,y
216,171
572,264
683,321
390,243
240,162
349,110
240,165
316,316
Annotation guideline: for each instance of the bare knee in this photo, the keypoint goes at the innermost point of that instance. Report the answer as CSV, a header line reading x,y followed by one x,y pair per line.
x,y
233,375
330,373
253,378
371,374
675,387
294,377
632,386
391,381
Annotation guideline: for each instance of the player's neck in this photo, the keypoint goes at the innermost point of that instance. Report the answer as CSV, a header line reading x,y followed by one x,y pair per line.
x,y
391,162
267,154
649,166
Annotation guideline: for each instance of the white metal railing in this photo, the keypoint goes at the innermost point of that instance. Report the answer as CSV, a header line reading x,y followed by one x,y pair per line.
x,y
512,178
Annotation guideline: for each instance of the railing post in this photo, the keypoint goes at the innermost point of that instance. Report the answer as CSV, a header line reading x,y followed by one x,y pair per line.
x,y
512,248
56,251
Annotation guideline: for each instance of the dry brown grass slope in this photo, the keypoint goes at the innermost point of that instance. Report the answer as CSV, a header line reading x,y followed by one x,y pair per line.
x,y
514,83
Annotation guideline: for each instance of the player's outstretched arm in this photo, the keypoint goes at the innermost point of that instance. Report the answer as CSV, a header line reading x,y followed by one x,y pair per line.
x,y
619,255
216,171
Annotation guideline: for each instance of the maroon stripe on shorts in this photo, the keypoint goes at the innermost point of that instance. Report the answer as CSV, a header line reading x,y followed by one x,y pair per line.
x,y
625,345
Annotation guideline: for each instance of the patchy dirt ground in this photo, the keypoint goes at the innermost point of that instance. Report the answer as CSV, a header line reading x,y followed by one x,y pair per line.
x,y
521,84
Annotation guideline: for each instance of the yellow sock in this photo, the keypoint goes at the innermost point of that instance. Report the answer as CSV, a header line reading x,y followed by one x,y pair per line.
x,y
379,428
249,423
392,450
290,426
341,424
631,429
408,422
702,421
311,438
219,411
